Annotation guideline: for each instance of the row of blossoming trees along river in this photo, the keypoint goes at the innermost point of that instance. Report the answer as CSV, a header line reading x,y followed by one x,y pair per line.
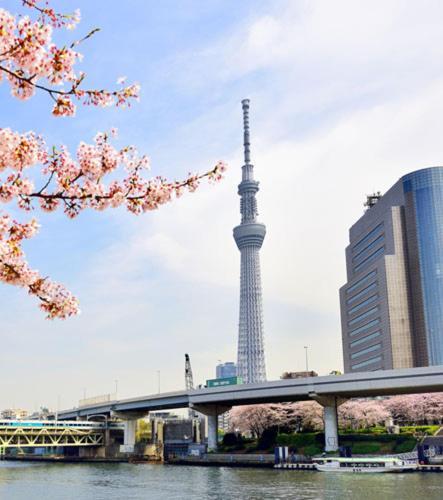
x,y
420,409
36,176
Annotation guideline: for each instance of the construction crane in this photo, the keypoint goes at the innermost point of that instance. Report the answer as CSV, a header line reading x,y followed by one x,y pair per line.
x,y
189,380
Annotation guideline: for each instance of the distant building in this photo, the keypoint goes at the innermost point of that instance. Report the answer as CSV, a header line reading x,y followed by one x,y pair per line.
x,y
14,414
42,414
225,370
303,374
392,303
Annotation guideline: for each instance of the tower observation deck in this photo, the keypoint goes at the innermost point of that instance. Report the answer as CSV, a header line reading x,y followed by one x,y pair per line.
x,y
249,236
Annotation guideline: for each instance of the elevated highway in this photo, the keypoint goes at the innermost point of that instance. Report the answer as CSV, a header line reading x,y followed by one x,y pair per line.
x,y
329,391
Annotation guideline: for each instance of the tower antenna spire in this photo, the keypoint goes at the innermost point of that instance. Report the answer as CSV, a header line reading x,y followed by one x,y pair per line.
x,y
246,139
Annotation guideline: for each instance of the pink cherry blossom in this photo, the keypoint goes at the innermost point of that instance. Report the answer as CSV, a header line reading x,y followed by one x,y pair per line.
x,y
412,409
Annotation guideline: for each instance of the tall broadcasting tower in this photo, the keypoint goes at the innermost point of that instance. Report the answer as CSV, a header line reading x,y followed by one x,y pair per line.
x,y
249,236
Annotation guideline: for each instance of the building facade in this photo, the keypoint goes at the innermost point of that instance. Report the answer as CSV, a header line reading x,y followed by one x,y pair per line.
x,y
249,236
14,414
225,370
392,303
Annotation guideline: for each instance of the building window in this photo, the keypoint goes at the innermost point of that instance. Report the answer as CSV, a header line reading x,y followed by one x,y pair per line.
x,y
376,242
362,316
363,304
361,282
372,348
370,259
368,362
368,337
369,288
362,243
363,328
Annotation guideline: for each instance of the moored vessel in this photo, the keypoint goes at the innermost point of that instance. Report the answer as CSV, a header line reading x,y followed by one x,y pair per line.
x,y
364,464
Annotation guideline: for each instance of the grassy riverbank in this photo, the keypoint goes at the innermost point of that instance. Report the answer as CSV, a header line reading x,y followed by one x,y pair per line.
x,y
360,444
374,441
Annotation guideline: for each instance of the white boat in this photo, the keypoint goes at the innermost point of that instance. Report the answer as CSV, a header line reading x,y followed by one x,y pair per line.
x,y
364,464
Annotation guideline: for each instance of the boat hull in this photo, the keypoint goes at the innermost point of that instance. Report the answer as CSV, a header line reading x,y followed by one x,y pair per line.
x,y
363,470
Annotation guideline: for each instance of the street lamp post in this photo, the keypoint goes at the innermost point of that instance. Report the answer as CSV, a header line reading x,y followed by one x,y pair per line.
x,y
58,407
306,358
158,380
116,389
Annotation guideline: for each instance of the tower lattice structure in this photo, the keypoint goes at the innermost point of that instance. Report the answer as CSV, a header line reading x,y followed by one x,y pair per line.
x,y
249,236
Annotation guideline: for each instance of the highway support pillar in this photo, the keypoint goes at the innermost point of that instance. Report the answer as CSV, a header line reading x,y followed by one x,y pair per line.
x,y
330,405
212,412
130,428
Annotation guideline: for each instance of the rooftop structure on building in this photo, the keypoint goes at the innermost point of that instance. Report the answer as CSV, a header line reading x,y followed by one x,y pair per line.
x,y
303,374
392,303
249,236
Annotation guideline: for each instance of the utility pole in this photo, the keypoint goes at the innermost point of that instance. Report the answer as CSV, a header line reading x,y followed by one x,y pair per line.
x,y
306,358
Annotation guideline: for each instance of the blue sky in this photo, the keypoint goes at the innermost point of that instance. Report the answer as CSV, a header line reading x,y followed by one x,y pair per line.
x,y
346,97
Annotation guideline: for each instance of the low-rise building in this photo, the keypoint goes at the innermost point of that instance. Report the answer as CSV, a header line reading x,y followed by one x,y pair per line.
x,y
14,414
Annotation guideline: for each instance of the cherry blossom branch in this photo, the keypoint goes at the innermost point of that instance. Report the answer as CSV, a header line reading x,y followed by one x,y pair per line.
x,y
29,56
80,181
55,300
170,186
63,104
56,19
73,185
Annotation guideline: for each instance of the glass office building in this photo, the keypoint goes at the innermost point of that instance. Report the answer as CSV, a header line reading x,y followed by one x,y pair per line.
x,y
424,222
225,370
392,304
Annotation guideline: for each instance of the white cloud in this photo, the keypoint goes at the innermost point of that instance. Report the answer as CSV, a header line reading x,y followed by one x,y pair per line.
x,y
312,190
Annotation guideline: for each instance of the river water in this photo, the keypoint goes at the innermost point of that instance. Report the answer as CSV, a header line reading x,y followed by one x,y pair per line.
x,y
29,481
